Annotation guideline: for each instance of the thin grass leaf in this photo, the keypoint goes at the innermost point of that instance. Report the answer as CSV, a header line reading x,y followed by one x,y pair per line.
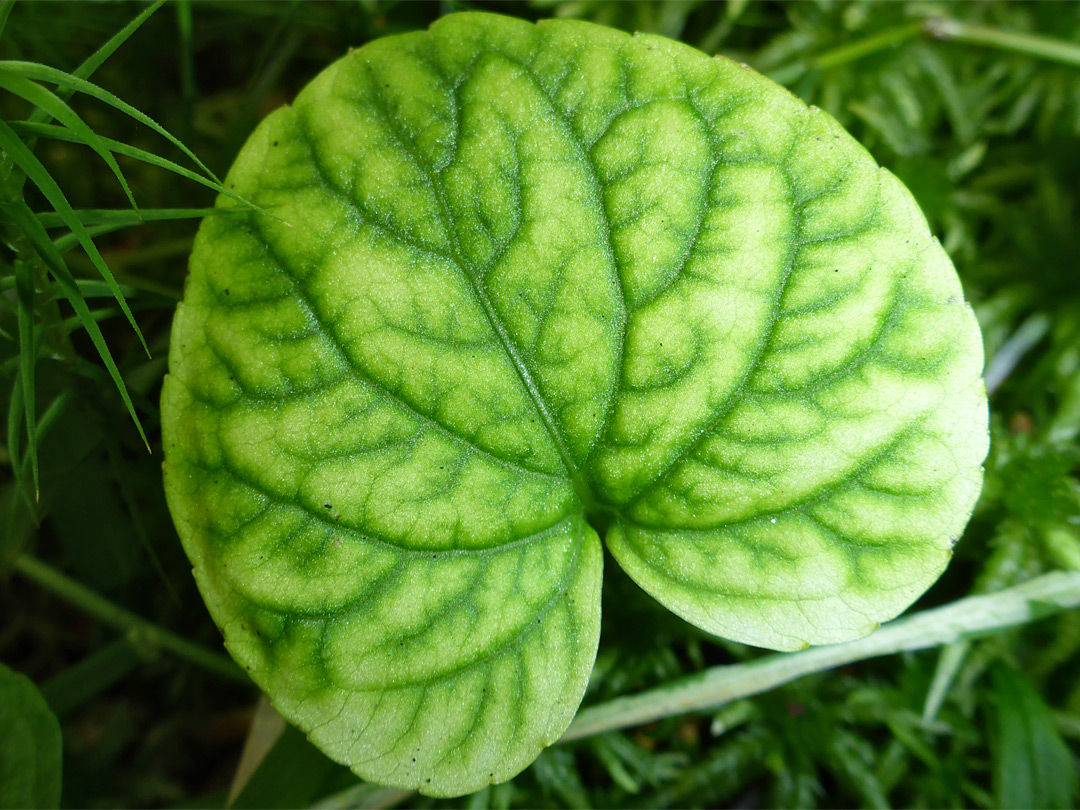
x,y
16,408
93,372
46,73
61,134
39,175
24,287
5,11
95,60
122,218
99,289
69,241
98,57
69,325
24,219
185,26
127,496
48,101
47,420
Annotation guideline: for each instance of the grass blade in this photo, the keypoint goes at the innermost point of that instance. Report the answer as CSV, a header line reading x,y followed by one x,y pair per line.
x,y
61,134
47,420
122,218
95,60
75,686
147,633
5,11
16,407
24,218
32,167
24,287
45,73
48,101
974,615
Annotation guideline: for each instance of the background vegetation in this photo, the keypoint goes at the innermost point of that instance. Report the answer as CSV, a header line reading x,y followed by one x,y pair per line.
x,y
98,605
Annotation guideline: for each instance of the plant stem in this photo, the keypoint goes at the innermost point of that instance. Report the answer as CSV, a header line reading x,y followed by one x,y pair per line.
x,y
959,620
872,44
944,29
1052,50
140,631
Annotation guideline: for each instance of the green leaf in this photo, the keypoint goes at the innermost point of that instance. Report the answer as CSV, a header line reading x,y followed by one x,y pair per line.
x,y
532,285
1033,766
30,751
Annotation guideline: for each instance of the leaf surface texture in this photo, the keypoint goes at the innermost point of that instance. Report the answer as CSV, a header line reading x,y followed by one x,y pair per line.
x,y
517,281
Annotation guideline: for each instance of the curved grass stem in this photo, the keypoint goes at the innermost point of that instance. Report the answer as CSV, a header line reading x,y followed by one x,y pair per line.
x,y
944,29
1040,47
975,615
141,632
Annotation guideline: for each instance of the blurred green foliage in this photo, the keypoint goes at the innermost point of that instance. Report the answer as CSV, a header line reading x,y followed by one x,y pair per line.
x,y
987,138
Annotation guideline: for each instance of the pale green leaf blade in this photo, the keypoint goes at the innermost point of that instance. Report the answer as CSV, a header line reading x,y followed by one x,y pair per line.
x,y
525,279
797,441
30,750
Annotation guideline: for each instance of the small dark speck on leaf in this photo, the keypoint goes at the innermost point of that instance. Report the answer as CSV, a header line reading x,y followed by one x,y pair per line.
x,y
232,185
226,291
275,143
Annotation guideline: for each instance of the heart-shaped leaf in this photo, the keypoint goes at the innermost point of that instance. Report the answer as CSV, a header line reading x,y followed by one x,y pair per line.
x,y
521,283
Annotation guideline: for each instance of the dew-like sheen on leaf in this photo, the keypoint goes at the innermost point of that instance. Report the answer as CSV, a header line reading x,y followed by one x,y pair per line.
x,y
517,281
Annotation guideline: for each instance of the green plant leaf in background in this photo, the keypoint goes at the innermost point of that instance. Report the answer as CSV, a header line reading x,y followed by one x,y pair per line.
x,y
30,751
1033,767
528,286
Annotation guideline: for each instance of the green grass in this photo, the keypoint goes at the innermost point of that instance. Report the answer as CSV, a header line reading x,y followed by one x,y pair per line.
x,y
980,117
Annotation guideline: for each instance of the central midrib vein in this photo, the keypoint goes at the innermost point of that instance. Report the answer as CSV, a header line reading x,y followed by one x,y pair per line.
x,y
581,488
